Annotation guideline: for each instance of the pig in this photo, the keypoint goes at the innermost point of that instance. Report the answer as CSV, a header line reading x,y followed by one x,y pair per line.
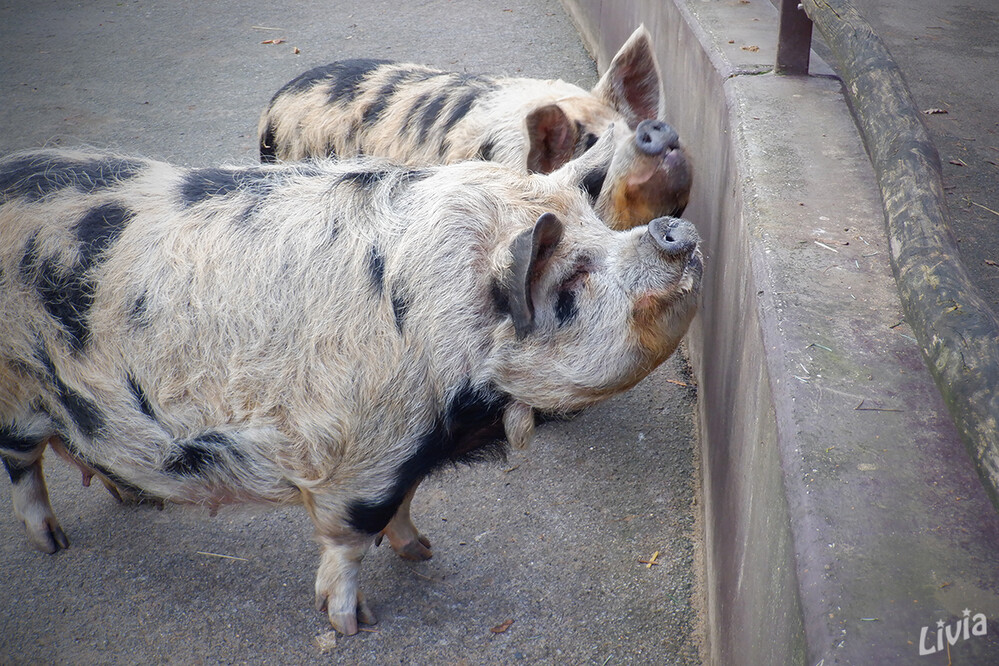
x,y
317,333
423,116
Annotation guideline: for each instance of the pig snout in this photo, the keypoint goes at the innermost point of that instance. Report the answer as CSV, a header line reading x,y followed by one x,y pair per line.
x,y
654,137
673,236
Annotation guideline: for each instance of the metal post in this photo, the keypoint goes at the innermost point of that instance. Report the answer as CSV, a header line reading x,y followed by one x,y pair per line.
x,y
794,39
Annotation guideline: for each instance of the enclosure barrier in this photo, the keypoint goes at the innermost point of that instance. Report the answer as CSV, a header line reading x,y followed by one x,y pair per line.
x,y
958,331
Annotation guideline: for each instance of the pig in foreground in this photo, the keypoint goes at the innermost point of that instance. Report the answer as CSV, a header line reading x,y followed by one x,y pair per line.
x,y
315,333
422,116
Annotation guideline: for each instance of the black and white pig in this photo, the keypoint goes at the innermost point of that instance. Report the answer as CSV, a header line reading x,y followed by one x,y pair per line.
x,y
423,116
318,333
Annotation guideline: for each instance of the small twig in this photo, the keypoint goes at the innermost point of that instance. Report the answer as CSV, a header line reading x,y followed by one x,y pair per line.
x,y
816,344
831,249
678,383
981,206
861,408
227,557
261,27
649,563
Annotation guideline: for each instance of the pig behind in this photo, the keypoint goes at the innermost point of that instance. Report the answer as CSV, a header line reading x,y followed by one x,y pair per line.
x,y
317,333
422,116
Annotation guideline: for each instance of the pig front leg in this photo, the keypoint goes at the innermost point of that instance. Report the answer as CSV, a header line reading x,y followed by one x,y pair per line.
x,y
337,592
402,534
31,505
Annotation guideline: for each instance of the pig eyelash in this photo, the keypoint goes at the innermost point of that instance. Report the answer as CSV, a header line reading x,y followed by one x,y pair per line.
x,y
577,277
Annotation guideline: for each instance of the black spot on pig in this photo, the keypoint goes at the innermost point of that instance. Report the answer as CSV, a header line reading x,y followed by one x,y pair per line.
x,y
11,441
34,177
363,179
461,107
139,310
565,307
376,269
204,454
141,399
383,96
98,230
203,184
348,75
85,413
67,298
67,293
468,429
400,308
16,469
431,113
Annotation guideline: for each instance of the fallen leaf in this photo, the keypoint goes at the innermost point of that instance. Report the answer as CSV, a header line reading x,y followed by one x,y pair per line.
x,y
989,262
754,49
296,51
933,112
500,628
326,642
273,41
957,162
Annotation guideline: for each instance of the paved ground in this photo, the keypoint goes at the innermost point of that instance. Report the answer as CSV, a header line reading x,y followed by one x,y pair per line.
x,y
550,540
948,51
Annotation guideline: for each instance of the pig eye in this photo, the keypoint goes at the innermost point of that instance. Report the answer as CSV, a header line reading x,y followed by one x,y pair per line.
x,y
566,308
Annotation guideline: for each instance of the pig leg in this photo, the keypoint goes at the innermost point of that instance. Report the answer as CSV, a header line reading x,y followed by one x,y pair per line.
x,y
402,534
336,582
31,504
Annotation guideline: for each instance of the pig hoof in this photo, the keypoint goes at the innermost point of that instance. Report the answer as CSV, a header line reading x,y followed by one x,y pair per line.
x,y
345,623
49,537
416,550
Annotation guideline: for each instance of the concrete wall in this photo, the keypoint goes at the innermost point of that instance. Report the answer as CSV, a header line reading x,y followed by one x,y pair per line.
x,y
830,466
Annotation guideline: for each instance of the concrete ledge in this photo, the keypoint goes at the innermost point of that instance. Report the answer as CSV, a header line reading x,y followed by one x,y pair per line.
x,y
842,512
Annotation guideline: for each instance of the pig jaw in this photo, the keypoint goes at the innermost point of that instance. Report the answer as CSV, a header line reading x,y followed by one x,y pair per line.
x,y
640,187
649,298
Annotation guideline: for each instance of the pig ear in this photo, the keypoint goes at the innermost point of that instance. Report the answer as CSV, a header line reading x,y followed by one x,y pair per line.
x,y
589,169
531,250
552,139
632,82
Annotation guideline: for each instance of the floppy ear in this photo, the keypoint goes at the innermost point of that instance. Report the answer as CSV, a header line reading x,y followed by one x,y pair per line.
x,y
552,139
632,83
531,250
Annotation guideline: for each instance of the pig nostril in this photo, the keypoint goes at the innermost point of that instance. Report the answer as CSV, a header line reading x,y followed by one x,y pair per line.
x,y
654,137
674,237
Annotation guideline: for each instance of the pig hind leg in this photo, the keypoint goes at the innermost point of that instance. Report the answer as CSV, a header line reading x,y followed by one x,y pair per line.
x,y
23,460
402,534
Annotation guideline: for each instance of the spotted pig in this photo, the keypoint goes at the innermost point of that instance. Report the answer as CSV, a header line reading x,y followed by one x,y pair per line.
x,y
422,116
318,333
